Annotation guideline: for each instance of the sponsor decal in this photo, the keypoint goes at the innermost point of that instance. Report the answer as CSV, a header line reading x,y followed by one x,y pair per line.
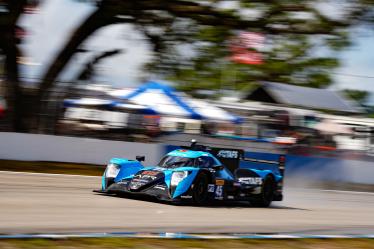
x,y
251,180
228,154
160,187
148,177
256,190
135,185
237,184
140,180
230,197
210,188
220,182
150,173
186,196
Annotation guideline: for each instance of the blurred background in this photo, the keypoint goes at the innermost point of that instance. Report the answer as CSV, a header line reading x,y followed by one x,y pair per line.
x,y
268,76
84,81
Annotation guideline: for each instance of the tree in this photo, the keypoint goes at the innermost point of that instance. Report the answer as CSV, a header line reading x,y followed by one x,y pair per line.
x,y
8,44
358,95
202,25
292,52
89,68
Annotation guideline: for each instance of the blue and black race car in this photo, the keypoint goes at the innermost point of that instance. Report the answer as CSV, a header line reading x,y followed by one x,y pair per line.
x,y
197,174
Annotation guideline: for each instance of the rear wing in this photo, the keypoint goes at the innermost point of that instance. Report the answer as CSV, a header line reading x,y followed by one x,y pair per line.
x,y
281,162
229,157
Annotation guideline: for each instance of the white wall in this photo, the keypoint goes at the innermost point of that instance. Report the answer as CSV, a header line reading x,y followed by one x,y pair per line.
x,y
36,147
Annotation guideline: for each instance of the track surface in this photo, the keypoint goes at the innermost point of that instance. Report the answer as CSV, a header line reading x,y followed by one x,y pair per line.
x,y
45,203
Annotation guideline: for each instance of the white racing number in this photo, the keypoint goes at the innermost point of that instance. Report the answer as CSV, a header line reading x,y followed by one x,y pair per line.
x,y
251,180
210,188
219,192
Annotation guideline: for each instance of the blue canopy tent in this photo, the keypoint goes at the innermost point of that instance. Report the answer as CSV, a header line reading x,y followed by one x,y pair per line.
x,y
110,105
165,100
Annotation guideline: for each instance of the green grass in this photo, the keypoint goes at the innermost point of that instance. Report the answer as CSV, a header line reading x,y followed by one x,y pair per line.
x,y
194,243
52,167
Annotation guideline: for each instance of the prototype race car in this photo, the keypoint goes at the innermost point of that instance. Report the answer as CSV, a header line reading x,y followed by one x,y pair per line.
x,y
197,174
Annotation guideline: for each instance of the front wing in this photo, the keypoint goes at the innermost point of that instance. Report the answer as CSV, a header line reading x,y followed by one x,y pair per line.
x,y
218,190
160,191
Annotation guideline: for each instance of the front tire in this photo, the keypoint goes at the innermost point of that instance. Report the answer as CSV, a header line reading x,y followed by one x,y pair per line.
x,y
267,193
200,190
108,181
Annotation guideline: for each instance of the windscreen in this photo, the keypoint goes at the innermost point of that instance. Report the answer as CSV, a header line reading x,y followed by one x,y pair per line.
x,y
171,162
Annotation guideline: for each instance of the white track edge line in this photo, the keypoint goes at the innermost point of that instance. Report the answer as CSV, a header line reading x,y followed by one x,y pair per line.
x,y
347,191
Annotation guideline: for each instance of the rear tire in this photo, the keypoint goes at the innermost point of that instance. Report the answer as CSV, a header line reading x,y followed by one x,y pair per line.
x,y
267,193
200,189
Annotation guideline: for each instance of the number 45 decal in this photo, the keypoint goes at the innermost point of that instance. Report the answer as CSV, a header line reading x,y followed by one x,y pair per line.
x,y
219,192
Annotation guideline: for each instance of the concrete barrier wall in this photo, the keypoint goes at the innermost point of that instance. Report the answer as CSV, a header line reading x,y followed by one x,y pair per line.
x,y
331,169
321,168
35,147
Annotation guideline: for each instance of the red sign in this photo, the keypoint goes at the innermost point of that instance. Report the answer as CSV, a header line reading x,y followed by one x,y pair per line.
x,y
247,57
251,40
244,48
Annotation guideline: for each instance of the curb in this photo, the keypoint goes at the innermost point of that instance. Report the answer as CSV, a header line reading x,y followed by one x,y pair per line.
x,y
182,236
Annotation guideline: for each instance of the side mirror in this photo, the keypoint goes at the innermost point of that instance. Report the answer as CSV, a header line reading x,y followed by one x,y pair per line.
x,y
217,167
140,158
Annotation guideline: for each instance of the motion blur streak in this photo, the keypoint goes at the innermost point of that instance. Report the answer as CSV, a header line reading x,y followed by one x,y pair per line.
x,y
38,203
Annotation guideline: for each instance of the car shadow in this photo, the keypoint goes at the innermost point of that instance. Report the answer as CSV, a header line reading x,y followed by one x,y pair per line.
x,y
215,204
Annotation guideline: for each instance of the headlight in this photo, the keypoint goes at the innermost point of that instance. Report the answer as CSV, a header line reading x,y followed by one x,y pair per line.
x,y
112,170
177,177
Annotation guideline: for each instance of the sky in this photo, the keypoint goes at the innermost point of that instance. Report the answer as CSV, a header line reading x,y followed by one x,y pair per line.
x,y
50,27
357,61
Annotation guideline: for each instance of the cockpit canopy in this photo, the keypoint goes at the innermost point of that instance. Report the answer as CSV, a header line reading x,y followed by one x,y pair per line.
x,y
171,162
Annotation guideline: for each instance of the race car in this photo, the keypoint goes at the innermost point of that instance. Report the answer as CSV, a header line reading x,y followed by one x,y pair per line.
x,y
197,174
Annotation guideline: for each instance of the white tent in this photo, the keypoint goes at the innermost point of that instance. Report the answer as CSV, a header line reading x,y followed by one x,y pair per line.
x,y
165,100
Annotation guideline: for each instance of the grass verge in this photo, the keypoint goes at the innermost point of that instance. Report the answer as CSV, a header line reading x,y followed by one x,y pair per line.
x,y
184,243
52,167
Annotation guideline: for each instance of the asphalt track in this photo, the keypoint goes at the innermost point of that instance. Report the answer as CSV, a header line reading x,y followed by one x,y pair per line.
x,y
46,203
